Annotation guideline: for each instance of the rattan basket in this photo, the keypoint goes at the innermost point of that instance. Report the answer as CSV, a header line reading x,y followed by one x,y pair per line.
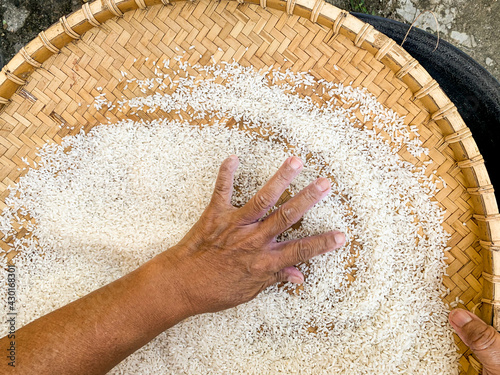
x,y
43,85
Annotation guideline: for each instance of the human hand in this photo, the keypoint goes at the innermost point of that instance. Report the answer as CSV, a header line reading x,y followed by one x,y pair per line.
x,y
227,258
230,255
481,338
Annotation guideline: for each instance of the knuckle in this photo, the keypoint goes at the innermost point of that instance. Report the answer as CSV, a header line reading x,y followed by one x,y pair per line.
x,y
263,201
327,241
288,215
311,194
280,276
484,338
222,188
249,242
261,267
304,250
225,168
281,176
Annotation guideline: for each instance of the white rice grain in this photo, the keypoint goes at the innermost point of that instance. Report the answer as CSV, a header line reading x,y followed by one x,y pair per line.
x,y
107,201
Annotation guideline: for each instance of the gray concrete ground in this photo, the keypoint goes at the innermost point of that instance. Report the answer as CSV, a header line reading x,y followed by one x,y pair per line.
x,y
471,25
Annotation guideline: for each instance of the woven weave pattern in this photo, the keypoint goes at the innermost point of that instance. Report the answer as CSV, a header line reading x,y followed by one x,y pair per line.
x,y
59,92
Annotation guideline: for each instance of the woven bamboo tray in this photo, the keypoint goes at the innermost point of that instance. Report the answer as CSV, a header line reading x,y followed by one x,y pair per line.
x,y
42,86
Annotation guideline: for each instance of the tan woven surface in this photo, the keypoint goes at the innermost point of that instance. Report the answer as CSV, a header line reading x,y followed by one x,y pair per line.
x,y
33,113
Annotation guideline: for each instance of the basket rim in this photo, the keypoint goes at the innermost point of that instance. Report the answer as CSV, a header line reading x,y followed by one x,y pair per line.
x,y
423,87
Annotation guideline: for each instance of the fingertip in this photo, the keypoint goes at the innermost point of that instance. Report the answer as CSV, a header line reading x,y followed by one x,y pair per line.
x,y
295,163
232,161
334,240
323,184
339,238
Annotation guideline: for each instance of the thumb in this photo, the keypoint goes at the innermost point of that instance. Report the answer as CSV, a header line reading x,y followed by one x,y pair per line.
x,y
481,338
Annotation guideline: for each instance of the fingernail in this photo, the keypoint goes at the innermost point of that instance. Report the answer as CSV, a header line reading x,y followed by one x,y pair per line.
x,y
323,184
339,238
295,162
233,157
460,317
295,279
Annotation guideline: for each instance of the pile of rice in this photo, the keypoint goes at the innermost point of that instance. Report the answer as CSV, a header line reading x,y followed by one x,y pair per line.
x,y
100,204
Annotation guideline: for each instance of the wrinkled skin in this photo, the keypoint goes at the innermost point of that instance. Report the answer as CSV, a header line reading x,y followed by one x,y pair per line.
x,y
226,259
481,338
231,246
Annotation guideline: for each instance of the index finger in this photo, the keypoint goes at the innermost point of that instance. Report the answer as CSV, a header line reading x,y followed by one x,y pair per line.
x,y
289,253
267,197
291,212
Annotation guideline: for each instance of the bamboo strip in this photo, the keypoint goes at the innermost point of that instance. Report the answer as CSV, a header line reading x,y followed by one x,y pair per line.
x,y
344,27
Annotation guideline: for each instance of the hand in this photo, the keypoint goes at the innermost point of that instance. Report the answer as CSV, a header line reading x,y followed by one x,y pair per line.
x,y
231,254
481,338
227,258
